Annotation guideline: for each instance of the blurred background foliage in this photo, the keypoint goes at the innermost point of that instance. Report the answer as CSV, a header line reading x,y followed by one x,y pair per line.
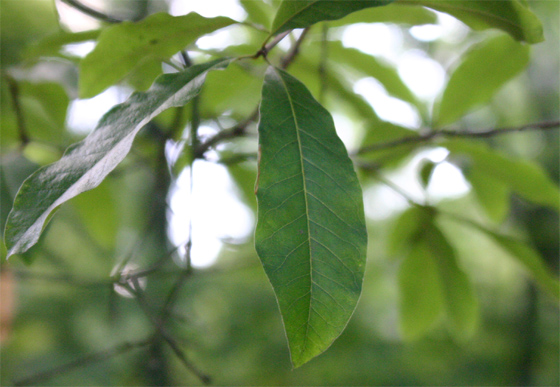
x,y
59,302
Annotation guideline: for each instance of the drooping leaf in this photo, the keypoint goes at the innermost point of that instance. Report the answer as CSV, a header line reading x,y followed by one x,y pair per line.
x,y
421,301
483,71
529,259
492,194
303,13
310,234
524,177
459,300
122,47
511,16
396,12
87,163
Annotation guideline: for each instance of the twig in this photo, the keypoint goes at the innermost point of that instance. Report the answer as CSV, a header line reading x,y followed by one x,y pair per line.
x,y
294,50
265,49
136,290
86,360
455,134
92,12
236,131
14,92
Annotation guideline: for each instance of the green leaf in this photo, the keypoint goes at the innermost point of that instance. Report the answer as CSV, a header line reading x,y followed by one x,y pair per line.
x,y
511,16
426,171
529,258
524,177
124,46
52,44
258,11
483,71
303,13
87,163
492,194
392,13
368,65
421,301
311,234
407,228
460,302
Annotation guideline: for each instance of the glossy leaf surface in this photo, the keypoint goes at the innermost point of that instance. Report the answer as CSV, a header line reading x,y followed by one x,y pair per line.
x,y
125,46
87,163
311,234
511,16
303,13
395,12
483,71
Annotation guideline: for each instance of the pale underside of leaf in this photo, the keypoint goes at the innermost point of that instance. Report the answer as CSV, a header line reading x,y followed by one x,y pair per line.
x,y
85,164
311,233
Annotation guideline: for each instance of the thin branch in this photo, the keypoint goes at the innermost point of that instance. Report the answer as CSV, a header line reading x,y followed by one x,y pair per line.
x,y
14,92
548,125
294,50
265,49
84,361
236,131
136,290
92,12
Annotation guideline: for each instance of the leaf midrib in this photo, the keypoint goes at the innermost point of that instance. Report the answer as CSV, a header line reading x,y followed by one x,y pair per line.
x,y
303,174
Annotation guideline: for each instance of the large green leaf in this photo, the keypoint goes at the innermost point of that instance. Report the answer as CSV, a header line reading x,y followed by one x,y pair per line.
x,y
511,16
524,177
311,234
87,163
303,13
483,71
123,47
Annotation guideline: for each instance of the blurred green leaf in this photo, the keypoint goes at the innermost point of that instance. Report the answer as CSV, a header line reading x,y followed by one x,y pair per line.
x,y
421,301
368,65
304,13
492,194
51,45
311,234
426,171
529,258
396,12
460,301
524,177
407,228
122,47
87,163
484,69
258,12
511,16
43,110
